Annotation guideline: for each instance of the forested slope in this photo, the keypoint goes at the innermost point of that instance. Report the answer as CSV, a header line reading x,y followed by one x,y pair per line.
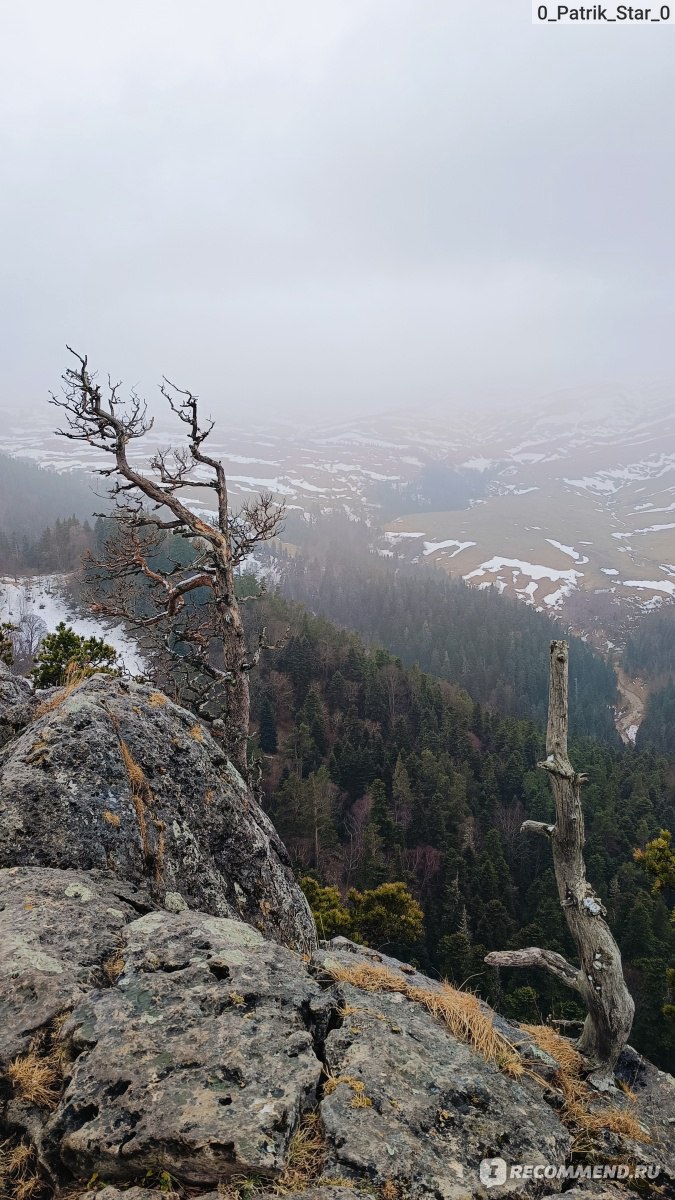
x,y
495,647
650,655
650,650
31,498
375,772
657,731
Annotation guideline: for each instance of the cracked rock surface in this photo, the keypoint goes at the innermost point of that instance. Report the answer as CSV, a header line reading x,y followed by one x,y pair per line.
x,y
201,1056
192,1046
57,929
433,1107
118,778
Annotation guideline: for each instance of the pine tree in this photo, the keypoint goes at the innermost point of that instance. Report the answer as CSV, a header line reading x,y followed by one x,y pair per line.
x,y
65,650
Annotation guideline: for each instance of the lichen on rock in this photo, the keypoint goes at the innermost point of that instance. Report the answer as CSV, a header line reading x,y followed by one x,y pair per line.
x,y
109,780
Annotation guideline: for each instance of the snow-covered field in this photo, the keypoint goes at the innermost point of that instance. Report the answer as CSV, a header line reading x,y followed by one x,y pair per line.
x,y
43,596
495,566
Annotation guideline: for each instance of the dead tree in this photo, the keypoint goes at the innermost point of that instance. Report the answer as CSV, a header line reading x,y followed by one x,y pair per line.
x,y
599,979
148,508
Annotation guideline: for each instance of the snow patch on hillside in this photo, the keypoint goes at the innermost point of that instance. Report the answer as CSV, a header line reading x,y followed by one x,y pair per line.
x,y
568,550
432,547
44,597
535,572
652,585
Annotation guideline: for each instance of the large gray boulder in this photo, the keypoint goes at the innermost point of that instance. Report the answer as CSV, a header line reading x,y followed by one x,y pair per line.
x,y
201,1057
116,777
417,1107
192,1051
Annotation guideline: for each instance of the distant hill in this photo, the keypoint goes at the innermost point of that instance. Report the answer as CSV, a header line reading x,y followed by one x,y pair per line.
x,y
32,497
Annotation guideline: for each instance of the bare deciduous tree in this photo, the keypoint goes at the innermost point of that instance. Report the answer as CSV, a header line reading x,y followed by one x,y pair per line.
x,y
599,979
148,506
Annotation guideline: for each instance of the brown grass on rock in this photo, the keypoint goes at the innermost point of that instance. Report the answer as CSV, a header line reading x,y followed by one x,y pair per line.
x,y
584,1110
304,1164
74,676
36,1079
461,1012
19,1175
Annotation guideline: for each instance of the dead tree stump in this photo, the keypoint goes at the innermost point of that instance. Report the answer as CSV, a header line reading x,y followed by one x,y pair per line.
x,y
599,979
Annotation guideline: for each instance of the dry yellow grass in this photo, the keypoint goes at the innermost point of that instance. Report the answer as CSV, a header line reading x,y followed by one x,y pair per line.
x,y
156,700
143,799
304,1164
306,1156
627,1091
584,1110
196,733
36,1078
461,1012
113,967
334,1081
19,1177
74,676
560,1048
111,818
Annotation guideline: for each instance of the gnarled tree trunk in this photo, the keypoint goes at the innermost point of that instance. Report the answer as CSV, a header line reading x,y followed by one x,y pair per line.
x,y
599,980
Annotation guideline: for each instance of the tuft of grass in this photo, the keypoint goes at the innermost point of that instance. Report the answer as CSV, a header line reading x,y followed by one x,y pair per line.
x,y
306,1157
360,1101
583,1110
304,1164
74,676
144,801
36,1078
112,819
244,1187
156,700
113,967
19,1175
334,1081
196,733
627,1090
460,1011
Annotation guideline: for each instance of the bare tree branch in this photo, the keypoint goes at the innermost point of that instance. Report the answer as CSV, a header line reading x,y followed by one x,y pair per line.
x,y
532,956
148,508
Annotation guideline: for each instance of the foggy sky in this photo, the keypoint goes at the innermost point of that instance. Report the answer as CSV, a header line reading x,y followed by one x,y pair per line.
x,y
332,207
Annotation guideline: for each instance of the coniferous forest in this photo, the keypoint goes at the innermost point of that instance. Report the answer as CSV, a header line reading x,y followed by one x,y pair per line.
x,y
493,646
385,773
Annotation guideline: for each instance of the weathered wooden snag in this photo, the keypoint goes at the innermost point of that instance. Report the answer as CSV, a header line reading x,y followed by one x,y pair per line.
x,y
599,979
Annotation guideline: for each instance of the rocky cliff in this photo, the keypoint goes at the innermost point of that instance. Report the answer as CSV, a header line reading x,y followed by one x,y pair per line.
x,y
115,777
167,1023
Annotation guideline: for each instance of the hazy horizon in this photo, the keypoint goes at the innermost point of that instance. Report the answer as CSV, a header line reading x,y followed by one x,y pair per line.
x,y
314,212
